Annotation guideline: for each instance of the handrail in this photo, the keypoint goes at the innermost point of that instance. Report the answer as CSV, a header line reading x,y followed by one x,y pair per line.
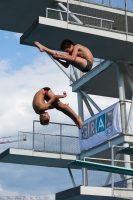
x,y
102,19
46,134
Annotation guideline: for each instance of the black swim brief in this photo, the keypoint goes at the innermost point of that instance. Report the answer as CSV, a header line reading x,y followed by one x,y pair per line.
x,y
88,66
46,89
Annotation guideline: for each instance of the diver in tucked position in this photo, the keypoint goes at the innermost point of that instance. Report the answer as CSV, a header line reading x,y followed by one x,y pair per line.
x,y
77,55
40,106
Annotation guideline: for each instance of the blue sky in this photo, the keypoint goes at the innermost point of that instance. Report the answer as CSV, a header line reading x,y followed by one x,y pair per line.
x,y
23,71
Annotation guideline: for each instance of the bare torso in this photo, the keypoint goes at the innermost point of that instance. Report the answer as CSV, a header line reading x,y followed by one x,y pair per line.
x,y
85,53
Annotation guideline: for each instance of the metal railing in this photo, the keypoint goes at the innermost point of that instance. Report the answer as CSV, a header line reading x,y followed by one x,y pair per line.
x,y
55,138
121,186
120,4
101,20
76,12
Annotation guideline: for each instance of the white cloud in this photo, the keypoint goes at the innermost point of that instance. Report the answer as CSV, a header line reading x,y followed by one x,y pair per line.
x,y
4,66
17,35
18,88
4,193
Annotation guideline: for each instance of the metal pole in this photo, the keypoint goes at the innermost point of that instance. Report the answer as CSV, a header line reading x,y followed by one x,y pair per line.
x,y
75,72
80,106
81,114
69,170
18,139
121,89
46,12
88,106
69,13
128,165
85,176
62,68
101,23
126,21
129,81
59,13
110,174
130,118
44,142
33,134
89,98
112,161
61,138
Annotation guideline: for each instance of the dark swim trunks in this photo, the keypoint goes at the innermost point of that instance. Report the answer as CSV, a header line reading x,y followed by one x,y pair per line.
x,y
46,89
88,66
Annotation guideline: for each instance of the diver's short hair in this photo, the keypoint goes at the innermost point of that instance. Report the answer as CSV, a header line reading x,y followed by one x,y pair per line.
x,y
44,120
66,44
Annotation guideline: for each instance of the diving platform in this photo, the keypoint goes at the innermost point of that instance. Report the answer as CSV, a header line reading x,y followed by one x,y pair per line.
x,y
60,160
101,167
102,80
93,193
21,14
31,157
105,44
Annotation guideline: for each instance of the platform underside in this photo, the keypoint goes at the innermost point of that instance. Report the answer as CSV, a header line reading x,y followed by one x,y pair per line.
x,y
101,80
18,15
127,151
86,192
29,157
104,44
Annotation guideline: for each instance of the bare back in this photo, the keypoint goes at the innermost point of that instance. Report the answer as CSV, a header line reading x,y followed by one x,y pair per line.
x,y
38,101
84,52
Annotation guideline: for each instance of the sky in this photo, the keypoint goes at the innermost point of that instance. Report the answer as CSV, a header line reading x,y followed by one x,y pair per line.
x,y
23,71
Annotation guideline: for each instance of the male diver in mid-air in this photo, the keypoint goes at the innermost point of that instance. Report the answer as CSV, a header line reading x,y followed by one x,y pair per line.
x,y
77,55
40,106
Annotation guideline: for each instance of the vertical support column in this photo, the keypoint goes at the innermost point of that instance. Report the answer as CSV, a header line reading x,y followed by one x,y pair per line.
x,y
84,176
121,89
126,21
81,113
128,165
33,134
80,106
18,139
67,11
60,138
112,162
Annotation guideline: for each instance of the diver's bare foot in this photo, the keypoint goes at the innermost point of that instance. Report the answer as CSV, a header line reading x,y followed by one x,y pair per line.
x,y
39,46
79,124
